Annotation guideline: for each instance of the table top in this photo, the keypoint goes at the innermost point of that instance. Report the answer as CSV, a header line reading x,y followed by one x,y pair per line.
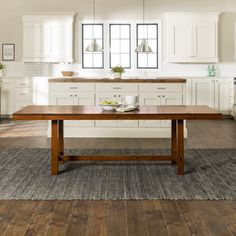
x,y
62,112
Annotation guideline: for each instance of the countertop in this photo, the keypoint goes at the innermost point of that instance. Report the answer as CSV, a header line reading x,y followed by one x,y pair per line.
x,y
108,80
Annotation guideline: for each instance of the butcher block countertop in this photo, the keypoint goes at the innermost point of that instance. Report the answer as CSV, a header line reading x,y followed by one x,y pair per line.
x,y
108,80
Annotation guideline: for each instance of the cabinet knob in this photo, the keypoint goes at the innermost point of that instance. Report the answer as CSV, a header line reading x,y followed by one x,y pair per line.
x,y
163,96
71,95
159,96
76,95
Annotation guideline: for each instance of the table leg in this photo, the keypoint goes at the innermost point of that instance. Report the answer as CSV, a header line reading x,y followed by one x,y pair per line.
x,y
180,148
54,148
61,137
173,140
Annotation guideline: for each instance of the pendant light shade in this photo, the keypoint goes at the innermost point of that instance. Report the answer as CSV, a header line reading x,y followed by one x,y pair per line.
x,y
143,46
93,46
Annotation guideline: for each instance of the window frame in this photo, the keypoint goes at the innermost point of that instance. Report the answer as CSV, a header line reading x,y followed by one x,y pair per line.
x,y
83,67
130,45
157,45
134,70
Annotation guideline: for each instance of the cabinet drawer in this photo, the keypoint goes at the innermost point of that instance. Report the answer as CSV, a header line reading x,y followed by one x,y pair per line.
x,y
23,94
105,123
116,87
77,87
161,88
23,83
127,123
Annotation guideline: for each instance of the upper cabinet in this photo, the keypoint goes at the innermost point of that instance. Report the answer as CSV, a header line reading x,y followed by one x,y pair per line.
x,y
192,37
48,38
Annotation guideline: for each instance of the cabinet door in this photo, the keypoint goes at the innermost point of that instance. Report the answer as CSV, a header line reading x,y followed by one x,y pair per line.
x,y
149,100
63,99
58,42
100,98
33,42
222,95
7,98
84,99
203,92
180,42
126,123
170,99
205,42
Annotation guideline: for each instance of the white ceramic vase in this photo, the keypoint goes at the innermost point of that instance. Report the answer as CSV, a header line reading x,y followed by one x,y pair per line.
x,y
117,75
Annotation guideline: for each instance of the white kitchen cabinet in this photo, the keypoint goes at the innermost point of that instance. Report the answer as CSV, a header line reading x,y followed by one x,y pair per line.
x,y
85,99
99,99
213,92
149,100
63,98
47,38
223,95
7,97
170,99
192,37
33,42
73,98
159,100
110,123
203,92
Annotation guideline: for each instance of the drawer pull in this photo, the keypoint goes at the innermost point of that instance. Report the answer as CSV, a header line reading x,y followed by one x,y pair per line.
x,y
23,94
23,84
117,88
161,88
73,87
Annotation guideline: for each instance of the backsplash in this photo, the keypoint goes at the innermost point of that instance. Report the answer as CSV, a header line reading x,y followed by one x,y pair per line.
x,y
17,69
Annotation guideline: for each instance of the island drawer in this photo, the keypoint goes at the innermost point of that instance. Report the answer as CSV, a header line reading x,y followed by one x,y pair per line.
x,y
23,94
77,87
23,83
161,88
116,87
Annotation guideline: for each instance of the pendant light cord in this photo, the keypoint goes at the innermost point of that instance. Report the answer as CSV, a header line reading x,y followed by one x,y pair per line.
x,y
94,11
143,11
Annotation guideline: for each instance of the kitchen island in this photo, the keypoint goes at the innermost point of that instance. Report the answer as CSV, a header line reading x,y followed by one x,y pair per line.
x,y
91,91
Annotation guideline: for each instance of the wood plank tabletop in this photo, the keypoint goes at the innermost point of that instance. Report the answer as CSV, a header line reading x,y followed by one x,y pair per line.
x,y
64,112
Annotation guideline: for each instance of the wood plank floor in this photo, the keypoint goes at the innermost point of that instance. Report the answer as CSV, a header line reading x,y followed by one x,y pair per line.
x,y
118,217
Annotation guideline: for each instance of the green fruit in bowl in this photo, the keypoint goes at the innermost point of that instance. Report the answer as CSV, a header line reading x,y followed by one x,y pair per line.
x,y
107,102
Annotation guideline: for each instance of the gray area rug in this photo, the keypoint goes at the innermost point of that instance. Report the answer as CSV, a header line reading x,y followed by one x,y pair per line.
x,y
210,174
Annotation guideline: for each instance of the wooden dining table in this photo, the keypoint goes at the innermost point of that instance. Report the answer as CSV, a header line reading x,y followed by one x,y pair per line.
x,y
58,114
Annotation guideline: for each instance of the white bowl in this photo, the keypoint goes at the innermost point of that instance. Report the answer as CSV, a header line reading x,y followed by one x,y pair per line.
x,y
109,107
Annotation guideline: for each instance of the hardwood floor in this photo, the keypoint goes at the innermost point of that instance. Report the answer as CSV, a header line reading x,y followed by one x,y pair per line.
x,y
118,217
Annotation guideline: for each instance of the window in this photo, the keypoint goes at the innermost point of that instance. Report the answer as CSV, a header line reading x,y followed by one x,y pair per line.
x,y
149,32
92,60
120,45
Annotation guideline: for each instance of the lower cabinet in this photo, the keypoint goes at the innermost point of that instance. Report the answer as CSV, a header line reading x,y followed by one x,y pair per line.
x,y
215,93
7,97
119,97
73,98
159,100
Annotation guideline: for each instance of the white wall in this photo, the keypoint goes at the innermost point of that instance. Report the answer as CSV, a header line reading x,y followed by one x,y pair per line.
x,y
11,12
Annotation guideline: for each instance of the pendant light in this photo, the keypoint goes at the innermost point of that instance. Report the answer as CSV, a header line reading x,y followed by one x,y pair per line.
x,y
93,46
143,46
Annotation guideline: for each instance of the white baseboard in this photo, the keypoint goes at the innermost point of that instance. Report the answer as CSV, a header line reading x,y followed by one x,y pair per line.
x,y
95,132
